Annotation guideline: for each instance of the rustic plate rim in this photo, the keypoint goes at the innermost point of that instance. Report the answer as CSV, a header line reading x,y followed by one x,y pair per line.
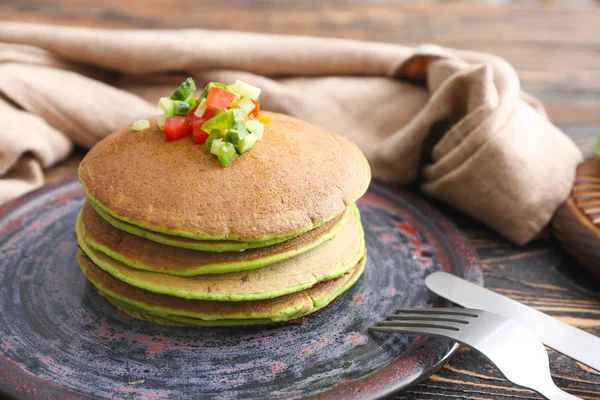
x,y
440,225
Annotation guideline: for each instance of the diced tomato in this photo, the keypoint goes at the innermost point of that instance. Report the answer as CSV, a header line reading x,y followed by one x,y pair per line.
x,y
199,135
208,114
177,127
254,113
219,99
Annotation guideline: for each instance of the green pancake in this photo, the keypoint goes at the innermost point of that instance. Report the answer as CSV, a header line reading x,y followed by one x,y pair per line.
x,y
215,246
146,255
140,314
297,177
331,259
168,310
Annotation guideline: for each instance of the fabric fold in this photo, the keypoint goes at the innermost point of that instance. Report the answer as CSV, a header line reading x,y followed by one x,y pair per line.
x,y
454,121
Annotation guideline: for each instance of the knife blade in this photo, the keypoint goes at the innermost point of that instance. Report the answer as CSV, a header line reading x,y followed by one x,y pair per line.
x,y
564,338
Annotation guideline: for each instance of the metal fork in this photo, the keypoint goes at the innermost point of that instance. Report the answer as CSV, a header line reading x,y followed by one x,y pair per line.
x,y
514,349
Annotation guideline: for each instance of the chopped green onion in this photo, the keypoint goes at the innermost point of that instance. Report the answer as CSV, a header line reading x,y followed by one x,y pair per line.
x,y
598,147
200,109
255,126
214,147
246,143
225,120
246,105
185,90
160,120
140,125
226,154
244,89
214,134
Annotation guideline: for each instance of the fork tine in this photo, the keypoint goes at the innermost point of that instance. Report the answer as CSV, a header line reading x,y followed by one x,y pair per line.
x,y
451,326
415,330
462,312
426,318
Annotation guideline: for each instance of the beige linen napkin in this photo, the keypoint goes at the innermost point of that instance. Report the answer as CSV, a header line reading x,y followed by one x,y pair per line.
x,y
457,122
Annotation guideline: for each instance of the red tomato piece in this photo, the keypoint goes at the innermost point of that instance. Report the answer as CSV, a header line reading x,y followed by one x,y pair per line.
x,y
208,114
199,135
219,99
254,113
177,127
190,114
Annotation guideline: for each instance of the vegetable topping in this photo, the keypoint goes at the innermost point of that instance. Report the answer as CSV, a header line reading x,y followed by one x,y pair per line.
x,y
226,119
140,125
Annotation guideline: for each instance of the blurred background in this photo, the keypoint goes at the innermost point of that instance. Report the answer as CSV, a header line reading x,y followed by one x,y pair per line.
x,y
553,45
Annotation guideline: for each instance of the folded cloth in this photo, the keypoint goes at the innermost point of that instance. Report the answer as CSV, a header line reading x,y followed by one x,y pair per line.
x,y
456,122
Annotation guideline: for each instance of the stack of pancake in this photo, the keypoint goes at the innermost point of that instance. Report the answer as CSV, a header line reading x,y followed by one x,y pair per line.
x,y
169,235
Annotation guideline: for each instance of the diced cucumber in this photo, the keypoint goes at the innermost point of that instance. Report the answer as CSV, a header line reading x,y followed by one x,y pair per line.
x,y
246,105
214,135
160,120
181,107
140,125
214,147
226,120
185,90
238,118
192,101
174,107
246,143
235,135
167,105
244,89
226,154
255,126
201,109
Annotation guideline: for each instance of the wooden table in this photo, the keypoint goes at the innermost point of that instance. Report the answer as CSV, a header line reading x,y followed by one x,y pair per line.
x,y
555,47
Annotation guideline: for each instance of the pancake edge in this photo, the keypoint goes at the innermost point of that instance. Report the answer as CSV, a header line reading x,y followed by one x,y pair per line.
x,y
342,269
221,268
179,320
270,239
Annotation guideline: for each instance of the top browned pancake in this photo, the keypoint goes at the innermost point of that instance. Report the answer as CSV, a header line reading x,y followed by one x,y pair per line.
x,y
297,177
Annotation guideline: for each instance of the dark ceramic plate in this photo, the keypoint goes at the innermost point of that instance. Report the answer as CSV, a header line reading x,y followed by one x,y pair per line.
x,y
60,339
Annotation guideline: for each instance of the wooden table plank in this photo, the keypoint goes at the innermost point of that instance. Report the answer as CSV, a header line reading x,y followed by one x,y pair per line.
x,y
555,48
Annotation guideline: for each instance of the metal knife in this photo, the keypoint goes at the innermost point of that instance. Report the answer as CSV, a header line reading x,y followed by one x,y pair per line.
x,y
564,338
